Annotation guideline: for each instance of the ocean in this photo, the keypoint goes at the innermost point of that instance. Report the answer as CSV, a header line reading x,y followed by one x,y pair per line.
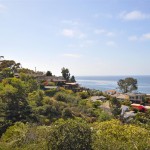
x,y
104,83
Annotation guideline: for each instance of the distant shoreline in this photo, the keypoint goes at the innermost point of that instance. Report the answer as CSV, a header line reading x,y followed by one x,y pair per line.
x,y
104,83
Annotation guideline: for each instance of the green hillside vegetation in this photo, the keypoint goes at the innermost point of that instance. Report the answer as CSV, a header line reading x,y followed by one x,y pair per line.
x,y
37,119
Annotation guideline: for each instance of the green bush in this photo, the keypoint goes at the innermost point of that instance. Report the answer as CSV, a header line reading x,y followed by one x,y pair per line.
x,y
23,137
60,96
70,135
68,98
50,92
83,95
15,134
66,113
113,135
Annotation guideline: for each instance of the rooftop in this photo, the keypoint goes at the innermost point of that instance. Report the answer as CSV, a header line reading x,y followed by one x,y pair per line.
x,y
74,83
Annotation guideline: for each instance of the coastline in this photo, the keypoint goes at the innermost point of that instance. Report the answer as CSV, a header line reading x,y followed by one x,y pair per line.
x,y
103,83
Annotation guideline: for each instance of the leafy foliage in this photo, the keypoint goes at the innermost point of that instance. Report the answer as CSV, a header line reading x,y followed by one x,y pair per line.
x,y
70,135
48,73
127,85
83,95
115,107
13,95
116,136
51,92
72,79
31,117
65,73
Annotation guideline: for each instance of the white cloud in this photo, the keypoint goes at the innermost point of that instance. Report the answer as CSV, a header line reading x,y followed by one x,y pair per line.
x,y
146,36
142,37
133,38
99,31
111,43
87,43
83,44
104,32
72,33
68,33
72,55
110,34
2,8
102,15
134,15
81,35
71,22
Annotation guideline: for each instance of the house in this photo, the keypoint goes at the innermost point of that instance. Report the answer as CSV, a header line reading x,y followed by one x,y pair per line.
x,y
122,97
133,97
110,92
72,86
56,80
51,87
148,98
136,97
98,98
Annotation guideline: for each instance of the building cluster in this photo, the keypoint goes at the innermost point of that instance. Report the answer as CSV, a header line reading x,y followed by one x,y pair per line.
x,y
58,82
137,100
132,97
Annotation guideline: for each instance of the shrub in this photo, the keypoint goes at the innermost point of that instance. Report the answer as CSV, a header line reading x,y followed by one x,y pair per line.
x,y
15,134
116,136
70,135
23,137
60,96
50,92
68,98
83,95
66,113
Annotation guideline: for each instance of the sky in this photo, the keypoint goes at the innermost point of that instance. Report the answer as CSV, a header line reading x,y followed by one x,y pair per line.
x,y
89,37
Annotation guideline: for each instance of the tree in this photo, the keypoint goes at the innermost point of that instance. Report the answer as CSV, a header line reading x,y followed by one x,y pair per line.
x,y
6,73
22,136
35,98
115,107
72,79
9,65
13,96
113,135
65,73
70,135
16,67
25,70
48,73
142,119
127,85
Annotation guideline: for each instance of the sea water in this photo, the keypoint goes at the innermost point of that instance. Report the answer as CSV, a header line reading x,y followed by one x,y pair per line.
x,y
104,83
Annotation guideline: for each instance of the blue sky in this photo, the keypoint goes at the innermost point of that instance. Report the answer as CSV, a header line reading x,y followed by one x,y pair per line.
x,y
90,37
